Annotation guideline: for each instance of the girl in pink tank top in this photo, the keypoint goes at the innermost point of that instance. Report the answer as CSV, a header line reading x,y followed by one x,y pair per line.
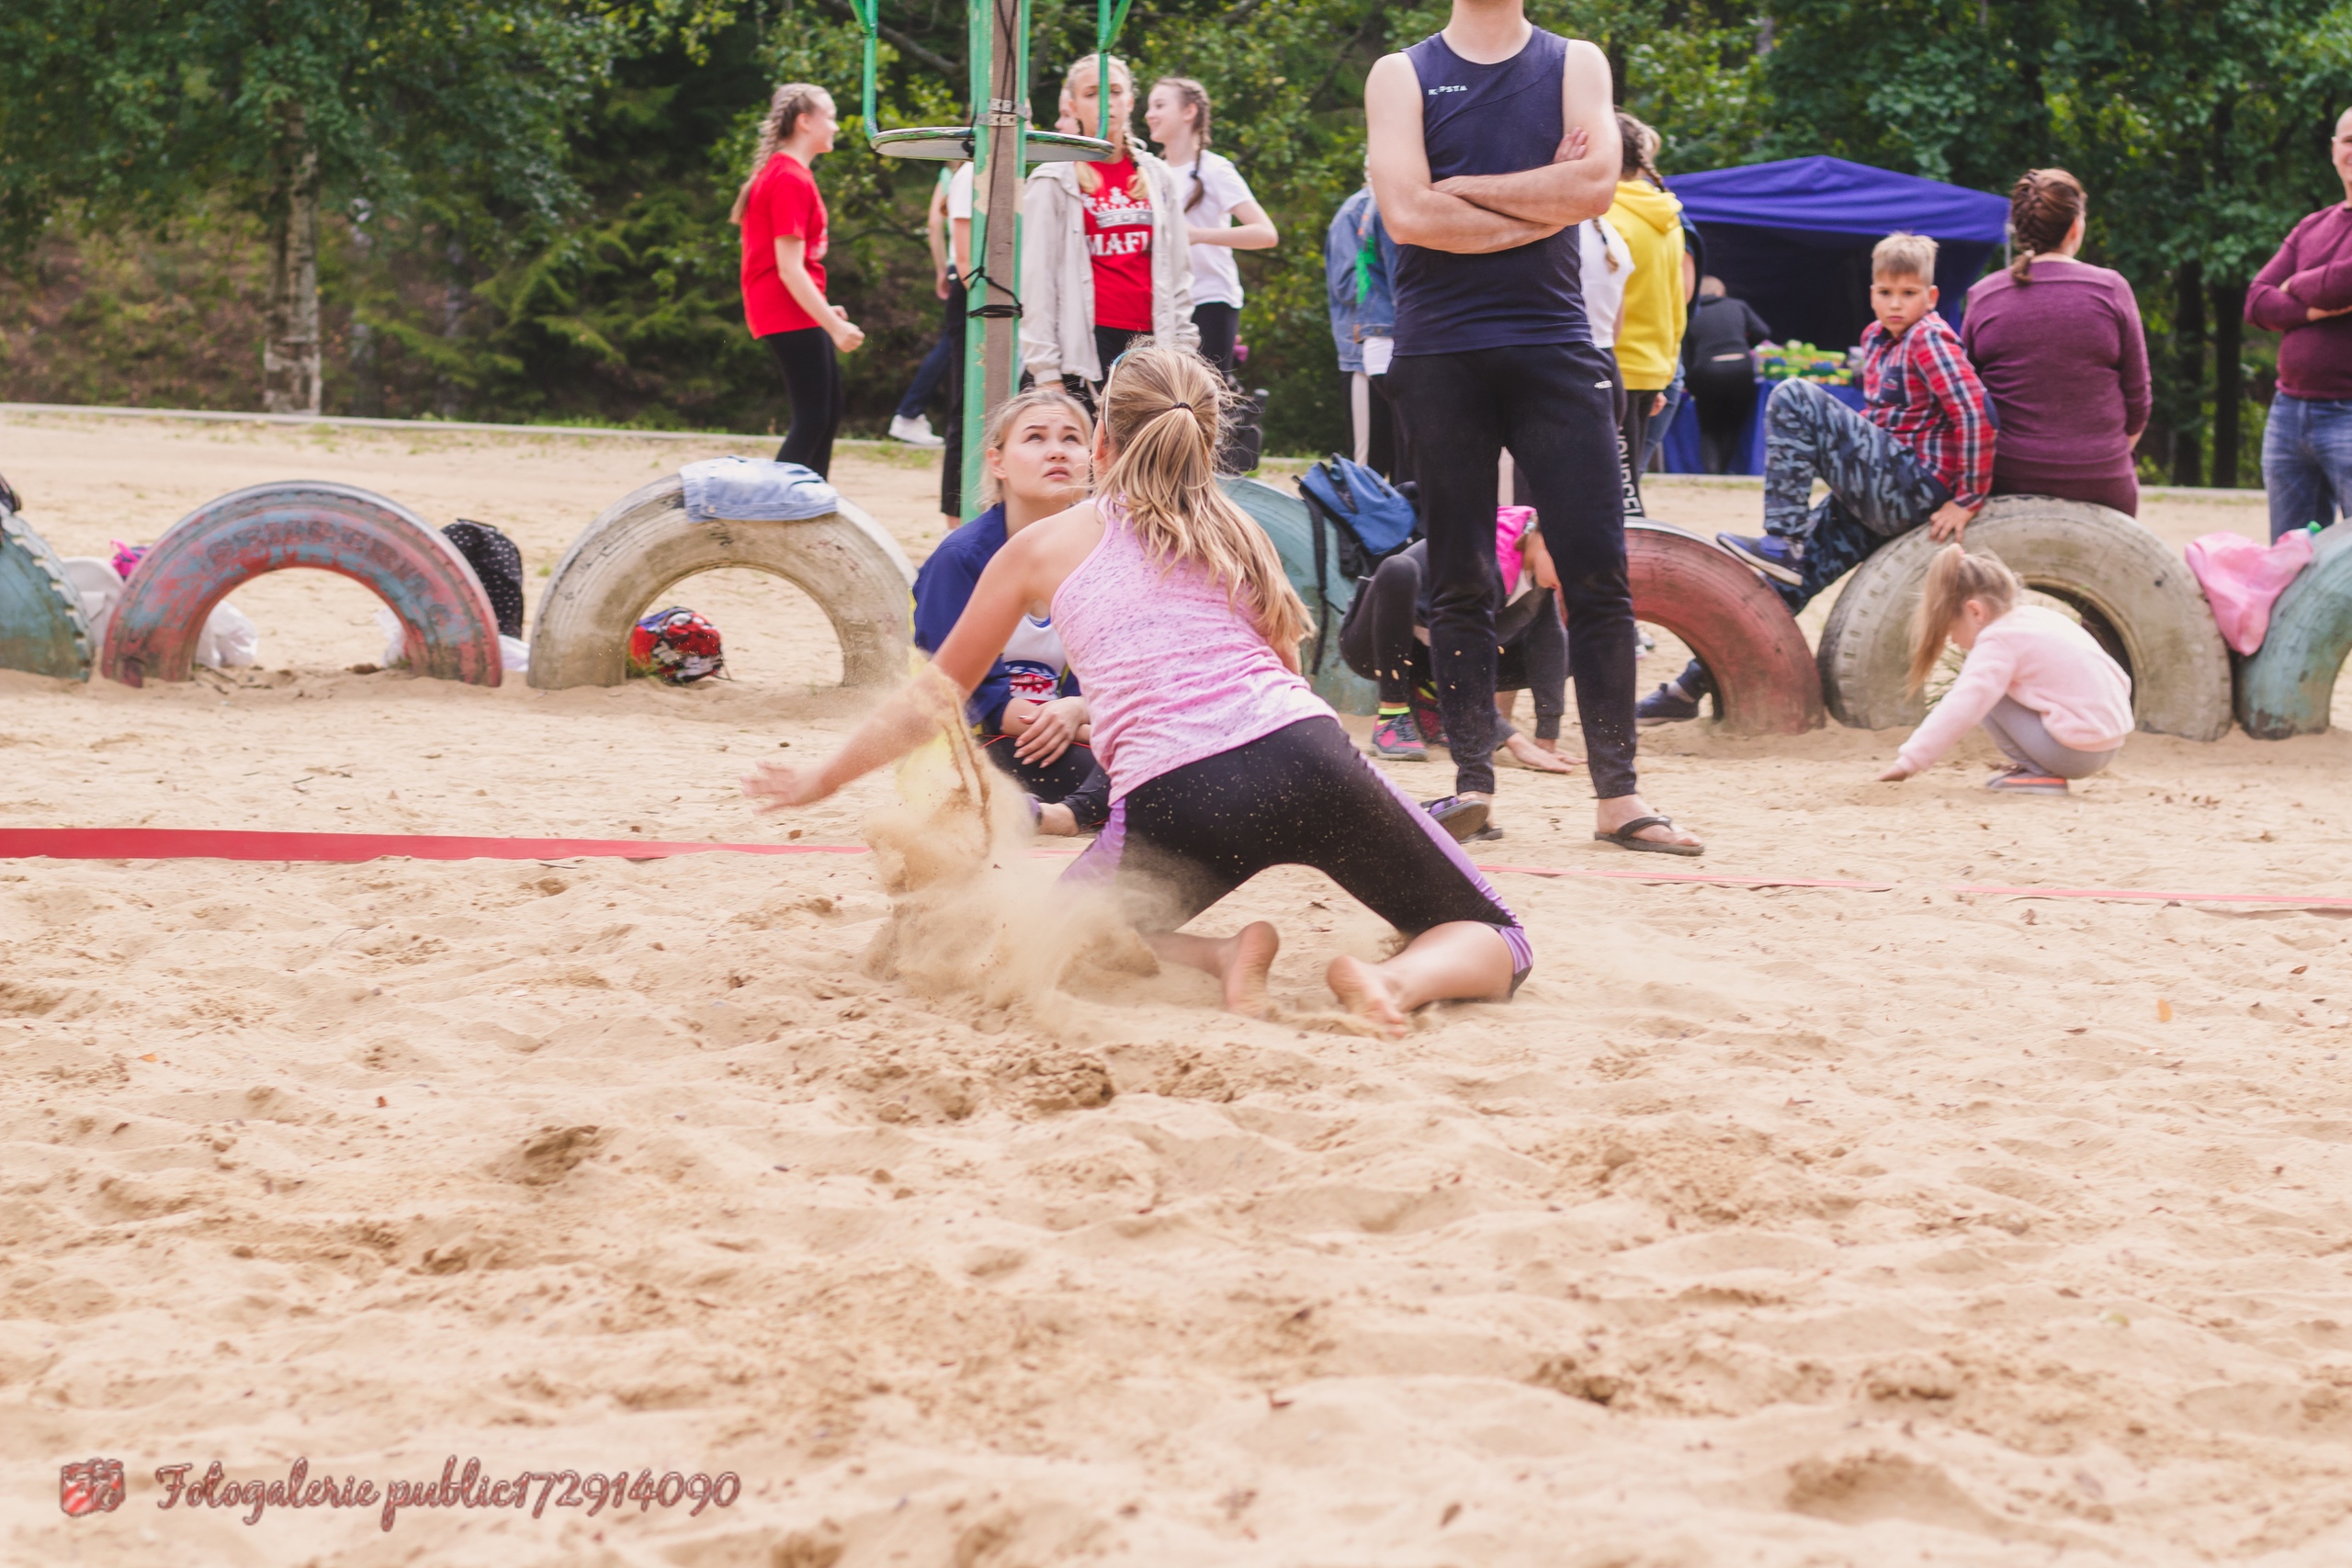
x,y
1184,632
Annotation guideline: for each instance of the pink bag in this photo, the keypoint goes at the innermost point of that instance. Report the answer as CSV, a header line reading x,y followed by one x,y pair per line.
x,y
2242,580
1511,524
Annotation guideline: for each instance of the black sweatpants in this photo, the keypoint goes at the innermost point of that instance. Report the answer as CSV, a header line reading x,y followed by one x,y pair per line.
x,y
951,456
1552,405
1378,642
812,379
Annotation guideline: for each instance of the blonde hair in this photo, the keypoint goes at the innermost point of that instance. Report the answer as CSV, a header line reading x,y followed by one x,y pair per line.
x,y
1163,410
1955,576
1001,423
1090,176
1903,256
785,106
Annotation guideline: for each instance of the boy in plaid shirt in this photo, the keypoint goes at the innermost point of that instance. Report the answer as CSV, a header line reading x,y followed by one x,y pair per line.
x,y
1920,451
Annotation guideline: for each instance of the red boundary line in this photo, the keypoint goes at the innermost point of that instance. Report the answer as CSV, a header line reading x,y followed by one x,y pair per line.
x,y
193,843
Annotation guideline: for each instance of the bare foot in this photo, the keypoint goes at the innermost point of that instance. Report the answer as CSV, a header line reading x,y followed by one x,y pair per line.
x,y
1364,991
1249,957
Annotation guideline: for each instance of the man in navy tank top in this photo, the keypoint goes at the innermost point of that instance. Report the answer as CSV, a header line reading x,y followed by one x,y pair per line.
x,y
1490,141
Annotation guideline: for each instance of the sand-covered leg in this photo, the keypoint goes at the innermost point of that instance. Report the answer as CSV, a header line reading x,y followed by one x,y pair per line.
x,y
1459,959
1240,962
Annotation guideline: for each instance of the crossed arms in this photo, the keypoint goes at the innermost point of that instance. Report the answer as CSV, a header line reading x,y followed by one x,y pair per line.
x,y
1472,214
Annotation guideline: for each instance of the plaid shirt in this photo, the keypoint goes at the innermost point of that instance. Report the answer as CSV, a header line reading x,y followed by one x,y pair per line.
x,y
1920,389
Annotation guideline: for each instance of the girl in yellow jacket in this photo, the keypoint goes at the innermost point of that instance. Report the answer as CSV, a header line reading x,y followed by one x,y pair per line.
x,y
1650,219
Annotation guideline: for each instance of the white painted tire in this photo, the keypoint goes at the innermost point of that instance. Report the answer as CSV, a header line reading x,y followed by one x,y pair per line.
x,y
644,543
2135,596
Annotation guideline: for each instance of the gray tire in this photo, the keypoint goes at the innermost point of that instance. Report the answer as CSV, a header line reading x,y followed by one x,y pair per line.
x,y
41,628
2134,595
645,543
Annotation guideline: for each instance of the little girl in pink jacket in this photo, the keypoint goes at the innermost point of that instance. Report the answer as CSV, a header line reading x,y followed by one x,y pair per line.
x,y
2052,701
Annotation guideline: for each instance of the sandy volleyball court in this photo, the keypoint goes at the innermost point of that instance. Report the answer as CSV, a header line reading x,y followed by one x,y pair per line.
x,y
1790,1226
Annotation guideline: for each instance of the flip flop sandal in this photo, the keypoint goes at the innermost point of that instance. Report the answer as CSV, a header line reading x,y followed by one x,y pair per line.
x,y
1624,838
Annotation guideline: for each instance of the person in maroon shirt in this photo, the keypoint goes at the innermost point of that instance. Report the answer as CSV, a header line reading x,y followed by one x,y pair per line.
x,y
782,218
2305,293
2057,343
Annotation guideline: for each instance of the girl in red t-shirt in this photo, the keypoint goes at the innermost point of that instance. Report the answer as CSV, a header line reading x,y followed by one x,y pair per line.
x,y
783,219
1105,261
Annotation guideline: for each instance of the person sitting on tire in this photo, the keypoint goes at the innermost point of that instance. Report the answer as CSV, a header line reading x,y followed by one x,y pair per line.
x,y
1920,451
2052,701
1385,639
1027,716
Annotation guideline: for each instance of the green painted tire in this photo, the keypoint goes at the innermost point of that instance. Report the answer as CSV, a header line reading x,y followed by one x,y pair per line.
x,y
41,628
2288,685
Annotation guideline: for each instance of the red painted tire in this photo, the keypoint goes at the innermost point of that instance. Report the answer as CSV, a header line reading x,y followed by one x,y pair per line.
x,y
201,559
1766,678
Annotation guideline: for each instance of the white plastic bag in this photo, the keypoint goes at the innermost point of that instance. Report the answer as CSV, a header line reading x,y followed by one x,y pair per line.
x,y
230,641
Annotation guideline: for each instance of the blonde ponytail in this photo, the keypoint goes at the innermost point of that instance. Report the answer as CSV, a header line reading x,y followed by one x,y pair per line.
x,y
1163,410
785,106
1954,578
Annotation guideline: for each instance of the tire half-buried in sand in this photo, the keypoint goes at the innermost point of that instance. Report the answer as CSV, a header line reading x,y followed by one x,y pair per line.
x,y
452,632
1765,678
645,542
2287,686
2133,594
41,628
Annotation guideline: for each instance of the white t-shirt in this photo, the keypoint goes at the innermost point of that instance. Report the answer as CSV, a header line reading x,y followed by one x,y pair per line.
x,y
1216,277
959,193
1598,246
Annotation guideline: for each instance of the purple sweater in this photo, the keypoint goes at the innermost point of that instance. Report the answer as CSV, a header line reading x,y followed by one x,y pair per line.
x,y
2312,268
2067,365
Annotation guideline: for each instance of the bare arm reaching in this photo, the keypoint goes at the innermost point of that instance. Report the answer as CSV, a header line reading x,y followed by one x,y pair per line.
x,y
1416,212
1583,181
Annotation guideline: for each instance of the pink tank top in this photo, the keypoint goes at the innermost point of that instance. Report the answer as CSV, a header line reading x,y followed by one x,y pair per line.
x,y
1171,671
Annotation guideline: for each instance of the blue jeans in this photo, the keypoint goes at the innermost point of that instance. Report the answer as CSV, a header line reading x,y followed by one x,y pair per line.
x,y
933,372
2307,461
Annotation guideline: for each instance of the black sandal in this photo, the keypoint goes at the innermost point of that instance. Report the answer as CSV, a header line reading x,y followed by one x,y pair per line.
x,y
1624,838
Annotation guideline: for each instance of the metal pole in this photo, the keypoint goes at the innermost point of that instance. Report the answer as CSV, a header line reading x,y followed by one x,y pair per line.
x,y
1000,49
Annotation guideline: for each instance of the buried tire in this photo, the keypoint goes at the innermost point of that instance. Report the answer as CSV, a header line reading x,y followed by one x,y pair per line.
x,y
645,542
41,627
1765,678
203,557
2288,685
2134,595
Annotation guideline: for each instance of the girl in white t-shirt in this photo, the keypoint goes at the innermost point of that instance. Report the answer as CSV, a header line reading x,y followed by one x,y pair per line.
x,y
1218,209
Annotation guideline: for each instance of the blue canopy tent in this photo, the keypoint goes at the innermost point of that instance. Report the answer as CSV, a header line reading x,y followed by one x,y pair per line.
x,y
1794,239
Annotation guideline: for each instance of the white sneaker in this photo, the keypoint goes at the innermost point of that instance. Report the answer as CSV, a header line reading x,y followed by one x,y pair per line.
x,y
915,432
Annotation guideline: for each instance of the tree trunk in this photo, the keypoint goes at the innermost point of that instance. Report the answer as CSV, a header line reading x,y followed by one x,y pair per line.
x,y
2189,358
2229,381
289,353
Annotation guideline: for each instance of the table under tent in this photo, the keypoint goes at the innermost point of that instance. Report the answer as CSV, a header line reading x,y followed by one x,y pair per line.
x,y
1794,239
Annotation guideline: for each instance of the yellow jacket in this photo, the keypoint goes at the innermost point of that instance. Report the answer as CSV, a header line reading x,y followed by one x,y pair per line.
x,y
1651,221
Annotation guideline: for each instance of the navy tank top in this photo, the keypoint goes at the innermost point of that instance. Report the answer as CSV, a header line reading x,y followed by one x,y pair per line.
x,y
1489,119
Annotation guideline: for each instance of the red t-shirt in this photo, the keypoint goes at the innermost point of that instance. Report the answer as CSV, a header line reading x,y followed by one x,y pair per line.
x,y
784,204
1118,236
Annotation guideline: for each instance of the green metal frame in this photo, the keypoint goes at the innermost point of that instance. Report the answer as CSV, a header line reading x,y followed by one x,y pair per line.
x,y
1001,146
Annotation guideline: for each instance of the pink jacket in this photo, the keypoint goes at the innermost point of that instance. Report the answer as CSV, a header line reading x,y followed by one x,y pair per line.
x,y
2049,664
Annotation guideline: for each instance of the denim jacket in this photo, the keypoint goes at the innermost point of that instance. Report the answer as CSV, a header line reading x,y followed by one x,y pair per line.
x,y
1375,315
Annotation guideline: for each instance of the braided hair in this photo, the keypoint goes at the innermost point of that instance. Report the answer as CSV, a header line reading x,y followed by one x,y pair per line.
x,y
2043,205
784,108
1195,97
1639,146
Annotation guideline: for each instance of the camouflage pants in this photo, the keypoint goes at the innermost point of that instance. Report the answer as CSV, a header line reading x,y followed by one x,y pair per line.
x,y
1877,488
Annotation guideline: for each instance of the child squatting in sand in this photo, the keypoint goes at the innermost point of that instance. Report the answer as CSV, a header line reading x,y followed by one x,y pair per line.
x,y
2052,701
1175,612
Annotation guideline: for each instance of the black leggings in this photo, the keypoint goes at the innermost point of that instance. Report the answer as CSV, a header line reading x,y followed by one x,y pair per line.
x,y
1220,327
1552,406
1378,642
1634,435
812,379
1073,779
1303,795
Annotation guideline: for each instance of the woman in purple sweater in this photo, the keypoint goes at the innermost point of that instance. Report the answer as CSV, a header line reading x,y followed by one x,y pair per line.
x,y
2058,344
2305,293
